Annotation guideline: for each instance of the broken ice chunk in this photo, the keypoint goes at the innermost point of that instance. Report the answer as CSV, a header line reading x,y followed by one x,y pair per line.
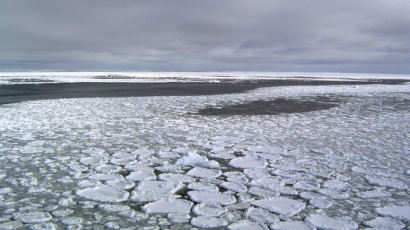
x,y
283,206
384,223
204,173
292,225
212,197
168,206
204,209
103,193
245,225
208,222
248,162
395,211
32,217
332,223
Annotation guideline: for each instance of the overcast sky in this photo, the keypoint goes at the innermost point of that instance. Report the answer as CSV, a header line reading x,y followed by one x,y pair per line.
x,y
208,35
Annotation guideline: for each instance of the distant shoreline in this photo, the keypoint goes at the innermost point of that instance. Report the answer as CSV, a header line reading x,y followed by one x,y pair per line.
x,y
30,92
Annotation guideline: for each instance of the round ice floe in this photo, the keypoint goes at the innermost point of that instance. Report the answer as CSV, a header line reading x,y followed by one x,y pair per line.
x,y
261,192
211,197
331,223
204,172
43,226
114,207
337,185
320,203
245,225
280,205
203,186
334,194
303,185
373,194
140,175
11,225
32,217
248,162
395,211
236,187
121,184
159,187
208,222
384,223
107,177
72,220
261,216
292,225
237,177
175,177
168,206
62,212
103,193
194,159
205,209
387,182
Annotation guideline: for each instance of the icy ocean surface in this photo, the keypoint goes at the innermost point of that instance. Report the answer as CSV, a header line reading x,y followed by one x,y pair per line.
x,y
154,163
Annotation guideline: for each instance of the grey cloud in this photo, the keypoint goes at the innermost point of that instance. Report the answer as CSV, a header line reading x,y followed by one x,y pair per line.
x,y
266,35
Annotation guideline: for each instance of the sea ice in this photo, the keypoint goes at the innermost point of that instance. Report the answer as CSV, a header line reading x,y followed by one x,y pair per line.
x,y
395,211
107,177
331,223
32,217
168,206
208,222
237,177
175,177
236,187
103,193
337,185
385,223
204,209
11,225
194,159
142,174
321,203
203,186
211,197
292,225
387,182
261,216
284,206
245,225
248,162
204,172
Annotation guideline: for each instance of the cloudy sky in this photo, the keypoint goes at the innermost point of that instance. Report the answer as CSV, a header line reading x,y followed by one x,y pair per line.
x,y
206,35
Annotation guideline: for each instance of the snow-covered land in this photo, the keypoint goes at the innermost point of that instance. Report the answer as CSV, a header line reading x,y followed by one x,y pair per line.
x,y
153,162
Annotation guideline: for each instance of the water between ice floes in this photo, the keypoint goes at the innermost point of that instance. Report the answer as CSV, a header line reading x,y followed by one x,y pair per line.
x,y
152,162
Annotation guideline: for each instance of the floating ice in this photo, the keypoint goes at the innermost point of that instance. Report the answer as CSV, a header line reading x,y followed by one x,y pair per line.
x,y
212,197
236,177
155,190
145,174
384,223
374,194
168,206
204,209
208,222
236,187
334,194
245,225
72,220
103,193
203,186
280,205
337,185
395,211
248,162
322,203
292,225
387,182
332,223
11,225
32,217
204,172
194,159
114,207
175,177
121,184
261,216
179,217
107,177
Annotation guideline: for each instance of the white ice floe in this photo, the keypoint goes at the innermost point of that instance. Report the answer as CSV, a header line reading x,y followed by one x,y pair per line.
x,y
208,222
121,184
155,190
292,225
140,175
374,194
168,206
32,217
11,225
321,203
212,197
175,177
331,223
259,215
334,194
385,223
205,209
194,159
387,182
236,187
204,172
395,211
248,162
203,186
103,193
107,177
245,225
114,207
237,177
283,206
179,217
72,220
337,185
